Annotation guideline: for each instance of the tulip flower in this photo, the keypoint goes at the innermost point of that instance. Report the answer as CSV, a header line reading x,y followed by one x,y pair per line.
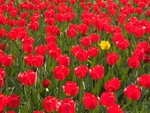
x,y
89,101
105,45
132,92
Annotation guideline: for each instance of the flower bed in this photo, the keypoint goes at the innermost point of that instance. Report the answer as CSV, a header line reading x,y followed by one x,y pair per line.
x,y
74,56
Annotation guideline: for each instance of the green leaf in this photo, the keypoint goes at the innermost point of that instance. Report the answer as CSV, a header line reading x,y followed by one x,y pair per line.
x,y
126,105
143,107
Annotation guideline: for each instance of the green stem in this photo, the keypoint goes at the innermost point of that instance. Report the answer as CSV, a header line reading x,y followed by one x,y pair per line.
x,y
134,106
29,99
98,87
80,95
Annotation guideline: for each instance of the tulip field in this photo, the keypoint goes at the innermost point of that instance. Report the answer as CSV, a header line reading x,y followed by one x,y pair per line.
x,y
74,56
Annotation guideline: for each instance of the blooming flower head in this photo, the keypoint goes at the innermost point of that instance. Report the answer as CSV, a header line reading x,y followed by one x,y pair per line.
x,y
112,85
144,80
105,45
70,88
132,92
67,106
27,78
13,101
49,103
107,99
89,101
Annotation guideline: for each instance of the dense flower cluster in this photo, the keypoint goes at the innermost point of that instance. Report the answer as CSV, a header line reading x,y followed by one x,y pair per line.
x,y
74,56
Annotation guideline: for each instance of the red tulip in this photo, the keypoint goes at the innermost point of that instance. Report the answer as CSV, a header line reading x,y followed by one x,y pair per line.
x,y
51,47
24,15
139,32
86,21
13,12
55,52
72,1
117,37
28,59
112,12
75,49
22,33
112,85
122,44
107,99
50,12
40,50
37,61
139,53
12,34
95,8
3,101
63,60
13,101
141,4
96,72
146,59
129,27
52,30
147,51
89,101
101,4
114,109
6,60
21,22
85,41
115,29
2,73
147,13
70,88
2,47
132,92
94,37
92,52
2,33
35,111
11,22
142,45
50,38
82,28
72,26
27,40
27,78
82,55
49,21
138,10
11,112
121,18
71,33
133,62
144,80
27,48
69,16
60,72
33,25
111,58
1,81
59,17
67,106
148,4
45,83
3,20
80,71
49,103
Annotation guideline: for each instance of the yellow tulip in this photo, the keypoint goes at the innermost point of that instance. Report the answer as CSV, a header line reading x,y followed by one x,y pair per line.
x,y
105,45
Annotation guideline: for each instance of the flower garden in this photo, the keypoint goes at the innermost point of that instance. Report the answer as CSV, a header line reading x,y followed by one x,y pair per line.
x,y
74,56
